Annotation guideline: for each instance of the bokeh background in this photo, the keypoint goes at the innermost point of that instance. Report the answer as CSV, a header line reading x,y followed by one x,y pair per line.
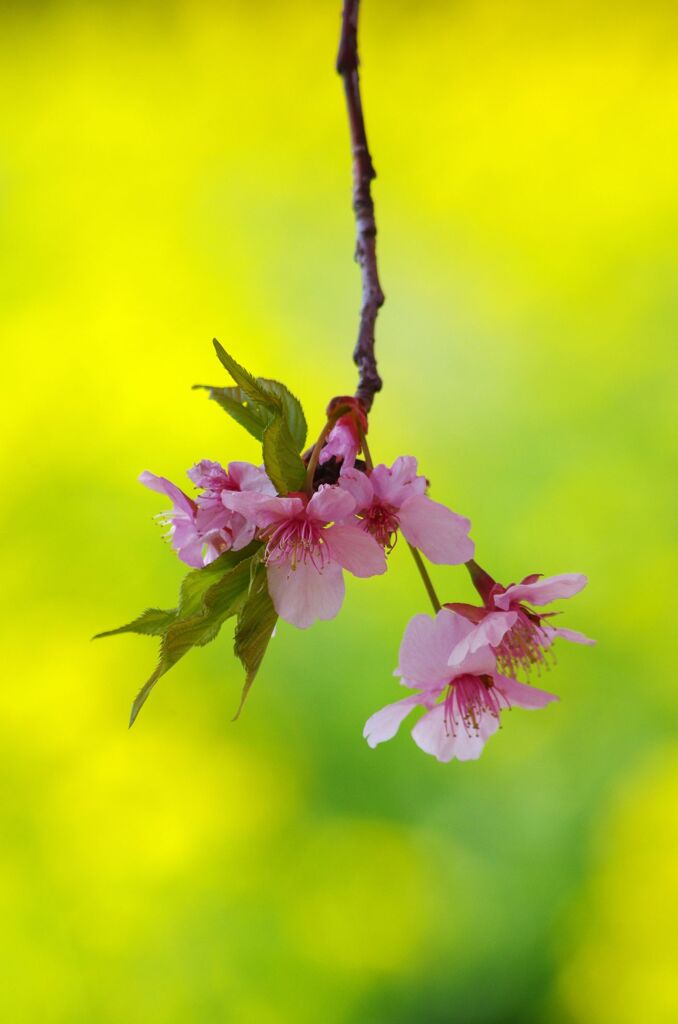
x,y
173,171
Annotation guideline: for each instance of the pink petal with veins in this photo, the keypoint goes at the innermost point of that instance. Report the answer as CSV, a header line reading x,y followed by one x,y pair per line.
x,y
384,724
439,533
355,550
488,632
304,594
543,591
330,503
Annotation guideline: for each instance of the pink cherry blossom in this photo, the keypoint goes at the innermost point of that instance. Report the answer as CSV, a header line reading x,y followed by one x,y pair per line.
x,y
344,439
183,532
202,529
222,528
473,693
520,636
309,542
392,499
343,443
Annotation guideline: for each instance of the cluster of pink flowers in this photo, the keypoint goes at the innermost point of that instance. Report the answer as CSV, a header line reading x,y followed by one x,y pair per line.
x,y
463,701
203,529
462,665
311,539
519,635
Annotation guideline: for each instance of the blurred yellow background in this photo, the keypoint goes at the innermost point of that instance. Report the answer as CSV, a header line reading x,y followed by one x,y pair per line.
x,y
174,171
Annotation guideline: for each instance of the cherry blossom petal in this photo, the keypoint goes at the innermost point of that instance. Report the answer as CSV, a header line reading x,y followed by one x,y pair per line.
x,y
343,443
208,475
394,485
214,516
434,736
330,503
520,695
213,548
573,635
384,724
261,509
242,533
223,528
191,553
247,477
355,550
359,485
488,632
543,591
426,646
441,534
480,662
185,536
174,493
468,746
302,595
186,540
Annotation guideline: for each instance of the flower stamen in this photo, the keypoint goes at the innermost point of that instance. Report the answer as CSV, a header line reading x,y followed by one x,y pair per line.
x,y
296,542
467,700
524,645
382,522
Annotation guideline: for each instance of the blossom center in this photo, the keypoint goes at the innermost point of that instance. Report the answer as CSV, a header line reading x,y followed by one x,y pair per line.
x,y
382,522
524,645
467,700
295,542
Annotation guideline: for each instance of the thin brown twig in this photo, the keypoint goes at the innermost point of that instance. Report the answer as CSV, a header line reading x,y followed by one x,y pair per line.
x,y
369,381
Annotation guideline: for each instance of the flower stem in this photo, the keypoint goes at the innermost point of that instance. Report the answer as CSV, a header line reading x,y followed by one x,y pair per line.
x,y
365,448
423,572
315,455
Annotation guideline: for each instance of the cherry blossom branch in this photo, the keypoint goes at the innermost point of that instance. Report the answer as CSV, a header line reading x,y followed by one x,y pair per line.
x,y
369,381
369,464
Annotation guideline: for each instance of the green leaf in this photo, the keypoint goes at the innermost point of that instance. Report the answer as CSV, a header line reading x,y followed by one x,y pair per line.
x,y
259,398
256,622
207,598
243,377
253,416
152,622
196,583
283,463
156,621
220,601
291,410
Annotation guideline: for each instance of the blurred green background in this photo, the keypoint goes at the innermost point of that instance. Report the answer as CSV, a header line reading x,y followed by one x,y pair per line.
x,y
172,171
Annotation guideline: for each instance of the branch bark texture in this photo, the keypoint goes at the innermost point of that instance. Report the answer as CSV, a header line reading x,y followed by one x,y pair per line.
x,y
369,381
